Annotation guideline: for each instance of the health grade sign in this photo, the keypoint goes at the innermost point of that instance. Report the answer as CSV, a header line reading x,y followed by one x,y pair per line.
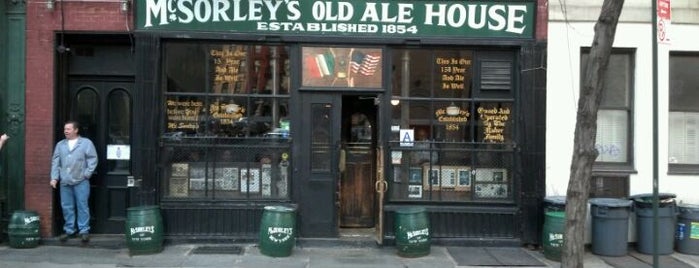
x,y
462,19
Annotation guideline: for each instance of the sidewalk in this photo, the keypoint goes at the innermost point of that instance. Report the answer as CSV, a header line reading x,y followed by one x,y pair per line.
x,y
73,254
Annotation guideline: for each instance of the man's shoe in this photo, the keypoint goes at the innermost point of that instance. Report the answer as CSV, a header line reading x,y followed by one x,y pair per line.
x,y
64,237
85,238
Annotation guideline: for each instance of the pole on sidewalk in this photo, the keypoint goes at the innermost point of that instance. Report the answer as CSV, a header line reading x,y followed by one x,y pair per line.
x,y
654,16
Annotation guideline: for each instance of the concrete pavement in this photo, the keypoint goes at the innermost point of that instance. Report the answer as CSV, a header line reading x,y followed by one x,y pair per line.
x,y
73,254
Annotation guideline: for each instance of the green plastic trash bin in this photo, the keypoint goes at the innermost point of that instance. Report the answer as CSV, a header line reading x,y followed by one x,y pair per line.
x,y
552,236
412,230
610,226
144,230
667,217
687,238
23,229
278,231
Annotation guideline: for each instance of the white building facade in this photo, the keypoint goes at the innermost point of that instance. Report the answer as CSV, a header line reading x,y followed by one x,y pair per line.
x,y
625,124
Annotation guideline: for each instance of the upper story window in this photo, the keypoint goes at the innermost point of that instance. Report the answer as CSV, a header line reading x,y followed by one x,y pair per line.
x,y
225,128
614,117
683,124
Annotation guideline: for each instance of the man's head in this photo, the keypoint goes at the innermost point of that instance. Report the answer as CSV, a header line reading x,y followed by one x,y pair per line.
x,y
70,129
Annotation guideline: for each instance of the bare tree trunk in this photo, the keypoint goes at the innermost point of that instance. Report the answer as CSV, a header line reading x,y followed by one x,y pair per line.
x,y
584,152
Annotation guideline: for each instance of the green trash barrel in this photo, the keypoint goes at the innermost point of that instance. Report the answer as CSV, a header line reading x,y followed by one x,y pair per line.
x,y
23,229
667,221
277,231
687,237
144,230
412,230
552,237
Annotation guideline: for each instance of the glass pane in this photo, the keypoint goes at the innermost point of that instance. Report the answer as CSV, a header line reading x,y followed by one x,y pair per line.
x,y
612,135
119,126
684,83
342,67
321,139
88,112
684,138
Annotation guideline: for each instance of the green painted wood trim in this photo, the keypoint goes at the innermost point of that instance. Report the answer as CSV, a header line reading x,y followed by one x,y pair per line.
x,y
14,108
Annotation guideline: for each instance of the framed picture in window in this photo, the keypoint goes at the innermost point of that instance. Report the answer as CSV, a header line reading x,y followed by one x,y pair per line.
x,y
250,180
415,176
463,181
448,176
197,176
491,175
179,170
179,187
415,191
431,177
226,178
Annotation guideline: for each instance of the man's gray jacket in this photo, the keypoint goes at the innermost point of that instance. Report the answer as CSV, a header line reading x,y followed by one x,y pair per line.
x,y
73,166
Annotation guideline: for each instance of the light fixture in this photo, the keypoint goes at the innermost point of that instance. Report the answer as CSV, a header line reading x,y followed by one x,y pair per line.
x,y
395,102
49,4
124,5
453,110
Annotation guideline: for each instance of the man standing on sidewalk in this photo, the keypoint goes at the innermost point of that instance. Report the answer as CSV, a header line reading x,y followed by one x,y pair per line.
x,y
74,160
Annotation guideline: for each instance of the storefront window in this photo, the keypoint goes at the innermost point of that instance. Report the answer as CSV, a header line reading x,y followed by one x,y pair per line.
x,y
453,126
226,127
684,113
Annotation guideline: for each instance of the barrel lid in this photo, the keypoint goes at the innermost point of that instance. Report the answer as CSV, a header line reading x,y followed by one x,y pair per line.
x,y
556,214
689,207
280,208
143,208
610,202
648,197
556,199
410,210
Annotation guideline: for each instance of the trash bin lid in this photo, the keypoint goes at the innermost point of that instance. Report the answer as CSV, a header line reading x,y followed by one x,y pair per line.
x,y
555,199
280,208
691,208
610,202
648,197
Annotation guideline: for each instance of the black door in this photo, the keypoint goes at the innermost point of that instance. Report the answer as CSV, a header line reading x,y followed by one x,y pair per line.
x,y
103,106
318,171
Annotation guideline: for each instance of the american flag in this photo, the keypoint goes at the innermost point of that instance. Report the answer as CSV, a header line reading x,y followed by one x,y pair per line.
x,y
363,63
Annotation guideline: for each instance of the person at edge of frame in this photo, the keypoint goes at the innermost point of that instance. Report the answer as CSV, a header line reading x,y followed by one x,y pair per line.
x,y
3,139
73,162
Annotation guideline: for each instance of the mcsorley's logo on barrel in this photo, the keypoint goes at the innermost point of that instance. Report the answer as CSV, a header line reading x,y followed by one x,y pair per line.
x,y
142,231
280,234
418,236
30,220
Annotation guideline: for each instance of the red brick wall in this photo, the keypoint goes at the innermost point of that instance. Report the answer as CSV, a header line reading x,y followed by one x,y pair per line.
x,y
542,20
42,26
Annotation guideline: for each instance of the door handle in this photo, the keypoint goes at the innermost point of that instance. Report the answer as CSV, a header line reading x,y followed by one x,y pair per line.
x,y
342,162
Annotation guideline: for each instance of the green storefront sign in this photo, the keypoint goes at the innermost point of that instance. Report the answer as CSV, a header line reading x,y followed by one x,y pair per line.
x,y
403,19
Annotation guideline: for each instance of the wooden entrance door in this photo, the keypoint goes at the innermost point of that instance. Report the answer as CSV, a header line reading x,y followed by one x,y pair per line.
x,y
356,187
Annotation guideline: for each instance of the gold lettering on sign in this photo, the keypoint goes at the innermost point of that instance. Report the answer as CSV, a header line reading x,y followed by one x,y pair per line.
x,y
494,123
183,115
186,115
452,72
228,68
453,122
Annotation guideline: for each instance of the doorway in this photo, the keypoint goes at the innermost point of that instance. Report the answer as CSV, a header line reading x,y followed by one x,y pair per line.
x,y
338,177
97,85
